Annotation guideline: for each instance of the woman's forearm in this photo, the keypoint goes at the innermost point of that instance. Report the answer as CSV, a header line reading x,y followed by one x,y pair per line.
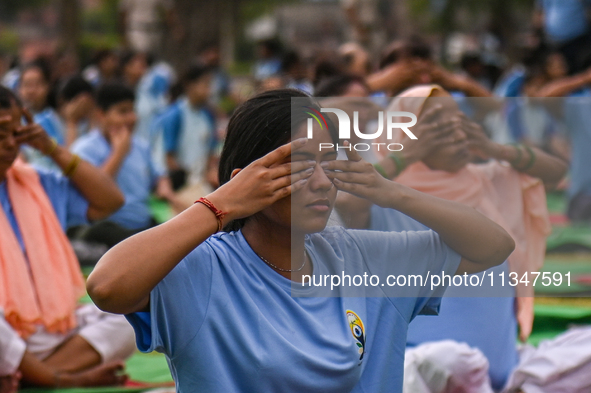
x,y
469,233
563,87
101,192
548,168
124,277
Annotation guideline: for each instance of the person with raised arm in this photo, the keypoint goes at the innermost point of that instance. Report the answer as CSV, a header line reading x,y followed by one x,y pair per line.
x,y
228,289
45,338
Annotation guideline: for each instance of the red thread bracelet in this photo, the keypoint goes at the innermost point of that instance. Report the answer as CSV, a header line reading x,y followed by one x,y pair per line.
x,y
219,215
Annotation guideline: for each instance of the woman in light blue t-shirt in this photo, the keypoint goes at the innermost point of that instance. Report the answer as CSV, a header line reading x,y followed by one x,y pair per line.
x,y
258,307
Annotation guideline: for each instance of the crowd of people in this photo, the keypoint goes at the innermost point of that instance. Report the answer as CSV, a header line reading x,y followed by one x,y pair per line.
x,y
84,151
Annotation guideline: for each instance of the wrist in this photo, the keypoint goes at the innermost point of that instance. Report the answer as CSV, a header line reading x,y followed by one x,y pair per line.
x,y
222,204
508,153
410,157
390,196
119,152
50,147
495,151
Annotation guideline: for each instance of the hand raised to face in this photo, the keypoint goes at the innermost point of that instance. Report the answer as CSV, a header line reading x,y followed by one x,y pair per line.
x,y
33,134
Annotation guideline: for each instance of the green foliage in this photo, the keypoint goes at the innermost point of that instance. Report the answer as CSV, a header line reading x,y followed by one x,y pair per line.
x,y
102,20
9,41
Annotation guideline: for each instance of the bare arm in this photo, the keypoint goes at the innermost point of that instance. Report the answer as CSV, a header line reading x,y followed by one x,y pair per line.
x,y
530,160
99,190
395,77
481,242
150,255
71,133
564,86
548,168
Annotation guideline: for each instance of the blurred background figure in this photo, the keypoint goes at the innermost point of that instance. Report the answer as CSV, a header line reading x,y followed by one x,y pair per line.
x,y
519,69
143,23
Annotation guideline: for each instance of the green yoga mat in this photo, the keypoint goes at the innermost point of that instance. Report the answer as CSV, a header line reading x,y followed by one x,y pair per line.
x,y
575,264
569,238
160,210
553,319
144,367
557,202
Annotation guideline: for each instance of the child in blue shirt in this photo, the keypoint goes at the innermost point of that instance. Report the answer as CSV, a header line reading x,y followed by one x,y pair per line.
x,y
126,159
75,99
188,133
242,311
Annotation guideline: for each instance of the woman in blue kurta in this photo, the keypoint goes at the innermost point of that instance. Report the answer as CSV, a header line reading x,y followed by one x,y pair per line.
x,y
243,311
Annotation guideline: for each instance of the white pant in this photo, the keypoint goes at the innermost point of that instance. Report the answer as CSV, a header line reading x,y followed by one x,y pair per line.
x,y
109,334
559,365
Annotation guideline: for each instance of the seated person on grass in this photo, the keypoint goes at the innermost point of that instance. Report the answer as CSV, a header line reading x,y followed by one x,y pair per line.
x,y
113,148
45,338
188,130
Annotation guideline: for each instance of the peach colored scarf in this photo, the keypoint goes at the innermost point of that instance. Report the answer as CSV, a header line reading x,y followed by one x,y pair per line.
x,y
41,288
514,200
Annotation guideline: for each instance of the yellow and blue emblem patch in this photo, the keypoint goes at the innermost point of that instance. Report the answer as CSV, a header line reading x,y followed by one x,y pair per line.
x,y
358,331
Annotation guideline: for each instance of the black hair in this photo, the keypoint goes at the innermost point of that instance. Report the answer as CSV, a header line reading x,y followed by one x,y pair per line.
x,y
324,69
196,72
8,98
289,60
101,55
273,45
72,87
470,58
129,55
42,65
259,126
399,49
337,85
111,94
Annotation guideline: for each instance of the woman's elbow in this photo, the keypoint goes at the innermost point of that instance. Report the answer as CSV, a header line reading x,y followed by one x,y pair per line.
x,y
102,294
107,206
99,293
504,246
115,202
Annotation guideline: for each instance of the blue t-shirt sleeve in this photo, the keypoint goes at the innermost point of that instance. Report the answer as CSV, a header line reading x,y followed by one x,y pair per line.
x,y
213,138
417,256
171,128
70,206
183,295
50,126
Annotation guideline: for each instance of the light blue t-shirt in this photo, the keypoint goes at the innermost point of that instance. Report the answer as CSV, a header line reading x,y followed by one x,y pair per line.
x,y
564,19
228,322
487,323
136,178
70,207
577,118
190,134
151,97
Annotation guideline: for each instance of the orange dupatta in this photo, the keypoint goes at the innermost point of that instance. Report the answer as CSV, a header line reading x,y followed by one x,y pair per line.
x,y
43,286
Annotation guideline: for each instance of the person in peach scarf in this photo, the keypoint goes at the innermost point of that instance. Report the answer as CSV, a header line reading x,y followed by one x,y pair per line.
x,y
45,339
507,187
